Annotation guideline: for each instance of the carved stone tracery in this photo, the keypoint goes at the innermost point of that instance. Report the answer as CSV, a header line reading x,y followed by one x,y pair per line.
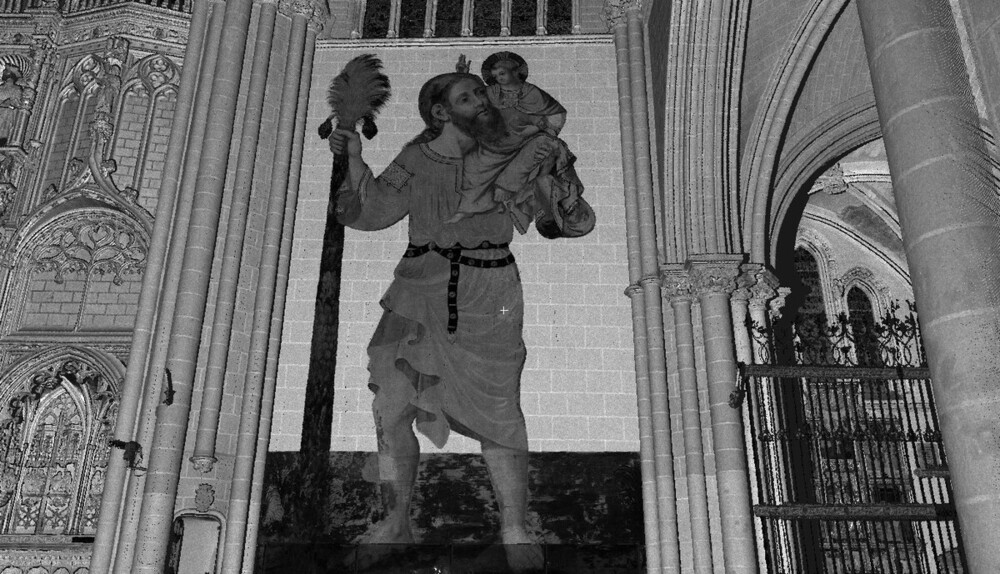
x,y
54,430
91,246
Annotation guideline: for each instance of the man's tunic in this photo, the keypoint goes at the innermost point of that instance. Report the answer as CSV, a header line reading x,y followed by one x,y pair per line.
x,y
474,376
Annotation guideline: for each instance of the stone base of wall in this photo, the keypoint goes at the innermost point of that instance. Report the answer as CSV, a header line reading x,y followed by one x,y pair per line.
x,y
307,558
577,499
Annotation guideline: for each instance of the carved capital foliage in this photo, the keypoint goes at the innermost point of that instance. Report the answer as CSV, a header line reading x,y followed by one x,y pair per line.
x,y
777,305
714,273
203,464
615,11
676,282
305,8
756,285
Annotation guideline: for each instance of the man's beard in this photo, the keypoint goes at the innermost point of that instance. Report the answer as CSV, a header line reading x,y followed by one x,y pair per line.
x,y
487,127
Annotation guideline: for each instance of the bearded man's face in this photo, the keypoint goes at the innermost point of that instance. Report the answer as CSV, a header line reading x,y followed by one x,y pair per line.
x,y
473,114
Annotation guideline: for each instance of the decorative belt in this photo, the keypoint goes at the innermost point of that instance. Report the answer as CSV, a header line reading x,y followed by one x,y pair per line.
x,y
454,255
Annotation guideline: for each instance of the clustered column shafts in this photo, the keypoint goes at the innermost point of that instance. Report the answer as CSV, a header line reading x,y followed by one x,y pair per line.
x,y
949,213
166,450
246,448
278,314
142,332
678,290
663,553
153,371
647,453
650,282
713,278
748,304
222,324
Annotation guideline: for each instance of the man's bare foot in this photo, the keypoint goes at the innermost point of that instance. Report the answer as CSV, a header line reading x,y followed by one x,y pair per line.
x,y
381,540
523,553
387,532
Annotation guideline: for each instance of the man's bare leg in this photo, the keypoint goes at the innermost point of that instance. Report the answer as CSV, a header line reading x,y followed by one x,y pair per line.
x,y
509,474
398,458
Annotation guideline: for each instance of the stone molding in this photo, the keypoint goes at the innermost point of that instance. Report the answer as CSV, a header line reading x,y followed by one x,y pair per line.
x,y
45,559
714,273
154,27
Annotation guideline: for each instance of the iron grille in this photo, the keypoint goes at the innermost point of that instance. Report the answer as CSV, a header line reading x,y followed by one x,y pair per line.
x,y
851,473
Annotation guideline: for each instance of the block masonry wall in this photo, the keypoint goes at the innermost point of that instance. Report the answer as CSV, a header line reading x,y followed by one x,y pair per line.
x,y
578,389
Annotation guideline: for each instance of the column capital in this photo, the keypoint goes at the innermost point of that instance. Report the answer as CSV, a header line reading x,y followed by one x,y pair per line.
x,y
777,304
714,273
304,8
756,284
615,11
676,283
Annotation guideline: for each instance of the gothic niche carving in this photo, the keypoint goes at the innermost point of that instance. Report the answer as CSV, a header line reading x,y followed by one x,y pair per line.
x,y
101,246
13,90
54,450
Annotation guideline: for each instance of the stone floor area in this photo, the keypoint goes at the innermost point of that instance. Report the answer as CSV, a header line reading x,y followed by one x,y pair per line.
x,y
312,558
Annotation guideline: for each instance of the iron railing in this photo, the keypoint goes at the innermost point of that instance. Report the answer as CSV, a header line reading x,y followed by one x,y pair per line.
x,y
850,469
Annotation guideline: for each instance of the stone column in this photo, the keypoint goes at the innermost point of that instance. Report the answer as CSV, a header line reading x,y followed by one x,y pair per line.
x,y
713,278
948,207
173,414
232,255
281,289
677,290
142,333
751,326
625,19
279,202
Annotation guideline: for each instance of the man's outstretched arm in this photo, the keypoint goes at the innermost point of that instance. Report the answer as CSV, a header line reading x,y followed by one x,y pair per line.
x,y
364,202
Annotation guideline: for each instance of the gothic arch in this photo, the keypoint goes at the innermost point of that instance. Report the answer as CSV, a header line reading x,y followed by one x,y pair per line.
x,y
763,144
818,247
863,278
846,129
85,230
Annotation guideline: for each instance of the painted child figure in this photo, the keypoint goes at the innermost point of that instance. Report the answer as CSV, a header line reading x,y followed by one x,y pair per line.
x,y
500,170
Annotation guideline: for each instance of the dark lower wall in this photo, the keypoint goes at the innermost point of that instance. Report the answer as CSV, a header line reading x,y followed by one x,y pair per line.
x,y
575,498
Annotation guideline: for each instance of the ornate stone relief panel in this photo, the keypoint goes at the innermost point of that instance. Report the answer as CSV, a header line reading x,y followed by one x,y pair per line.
x,y
54,429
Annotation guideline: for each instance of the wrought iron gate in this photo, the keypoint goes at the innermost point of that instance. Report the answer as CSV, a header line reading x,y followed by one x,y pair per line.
x,y
851,475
